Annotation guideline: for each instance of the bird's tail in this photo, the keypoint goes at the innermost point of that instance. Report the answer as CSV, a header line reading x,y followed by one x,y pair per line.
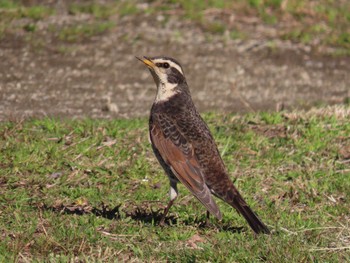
x,y
255,223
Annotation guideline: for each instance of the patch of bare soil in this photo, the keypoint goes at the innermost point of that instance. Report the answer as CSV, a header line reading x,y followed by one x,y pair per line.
x,y
99,77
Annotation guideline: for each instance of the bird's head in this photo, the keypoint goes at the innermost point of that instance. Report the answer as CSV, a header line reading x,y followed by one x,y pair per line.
x,y
164,70
168,76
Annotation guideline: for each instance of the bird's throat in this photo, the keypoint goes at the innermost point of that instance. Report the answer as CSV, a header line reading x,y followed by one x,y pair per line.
x,y
165,91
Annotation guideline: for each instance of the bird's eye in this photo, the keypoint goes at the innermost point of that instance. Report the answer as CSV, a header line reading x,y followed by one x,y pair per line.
x,y
163,65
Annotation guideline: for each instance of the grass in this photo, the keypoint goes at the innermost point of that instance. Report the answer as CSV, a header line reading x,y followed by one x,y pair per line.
x,y
80,32
311,22
321,23
91,190
96,10
12,10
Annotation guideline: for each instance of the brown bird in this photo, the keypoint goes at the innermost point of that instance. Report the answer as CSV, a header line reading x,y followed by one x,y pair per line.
x,y
184,146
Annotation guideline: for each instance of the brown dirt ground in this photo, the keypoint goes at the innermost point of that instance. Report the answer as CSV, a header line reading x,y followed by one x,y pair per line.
x,y
99,76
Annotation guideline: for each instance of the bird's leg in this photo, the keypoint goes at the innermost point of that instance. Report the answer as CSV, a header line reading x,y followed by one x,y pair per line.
x,y
166,210
207,219
173,194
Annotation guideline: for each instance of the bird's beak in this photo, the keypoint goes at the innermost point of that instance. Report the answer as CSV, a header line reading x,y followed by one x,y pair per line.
x,y
147,61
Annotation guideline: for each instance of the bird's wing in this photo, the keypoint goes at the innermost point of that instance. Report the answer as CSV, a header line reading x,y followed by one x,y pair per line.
x,y
179,154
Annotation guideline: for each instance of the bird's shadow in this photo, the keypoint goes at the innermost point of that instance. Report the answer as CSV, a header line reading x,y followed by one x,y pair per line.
x,y
138,213
104,211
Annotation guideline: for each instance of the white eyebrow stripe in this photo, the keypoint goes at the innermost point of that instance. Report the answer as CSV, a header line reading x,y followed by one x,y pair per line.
x,y
171,63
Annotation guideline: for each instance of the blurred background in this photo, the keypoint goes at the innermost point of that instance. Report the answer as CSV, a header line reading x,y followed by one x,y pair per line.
x,y
77,58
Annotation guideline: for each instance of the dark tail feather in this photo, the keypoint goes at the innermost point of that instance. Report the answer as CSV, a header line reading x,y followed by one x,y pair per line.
x,y
252,219
231,196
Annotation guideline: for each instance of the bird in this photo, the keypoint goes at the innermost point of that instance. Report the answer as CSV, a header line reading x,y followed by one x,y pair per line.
x,y
185,147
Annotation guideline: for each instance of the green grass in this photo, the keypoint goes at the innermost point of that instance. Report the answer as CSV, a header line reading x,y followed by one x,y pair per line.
x,y
321,23
97,10
12,10
80,32
91,190
104,11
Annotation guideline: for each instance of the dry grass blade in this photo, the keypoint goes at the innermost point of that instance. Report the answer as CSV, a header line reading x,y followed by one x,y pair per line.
x,y
329,248
116,236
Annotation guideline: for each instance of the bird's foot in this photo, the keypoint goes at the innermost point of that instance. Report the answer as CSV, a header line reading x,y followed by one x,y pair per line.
x,y
162,221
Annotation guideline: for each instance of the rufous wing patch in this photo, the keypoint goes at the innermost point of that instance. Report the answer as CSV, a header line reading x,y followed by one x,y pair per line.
x,y
185,167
